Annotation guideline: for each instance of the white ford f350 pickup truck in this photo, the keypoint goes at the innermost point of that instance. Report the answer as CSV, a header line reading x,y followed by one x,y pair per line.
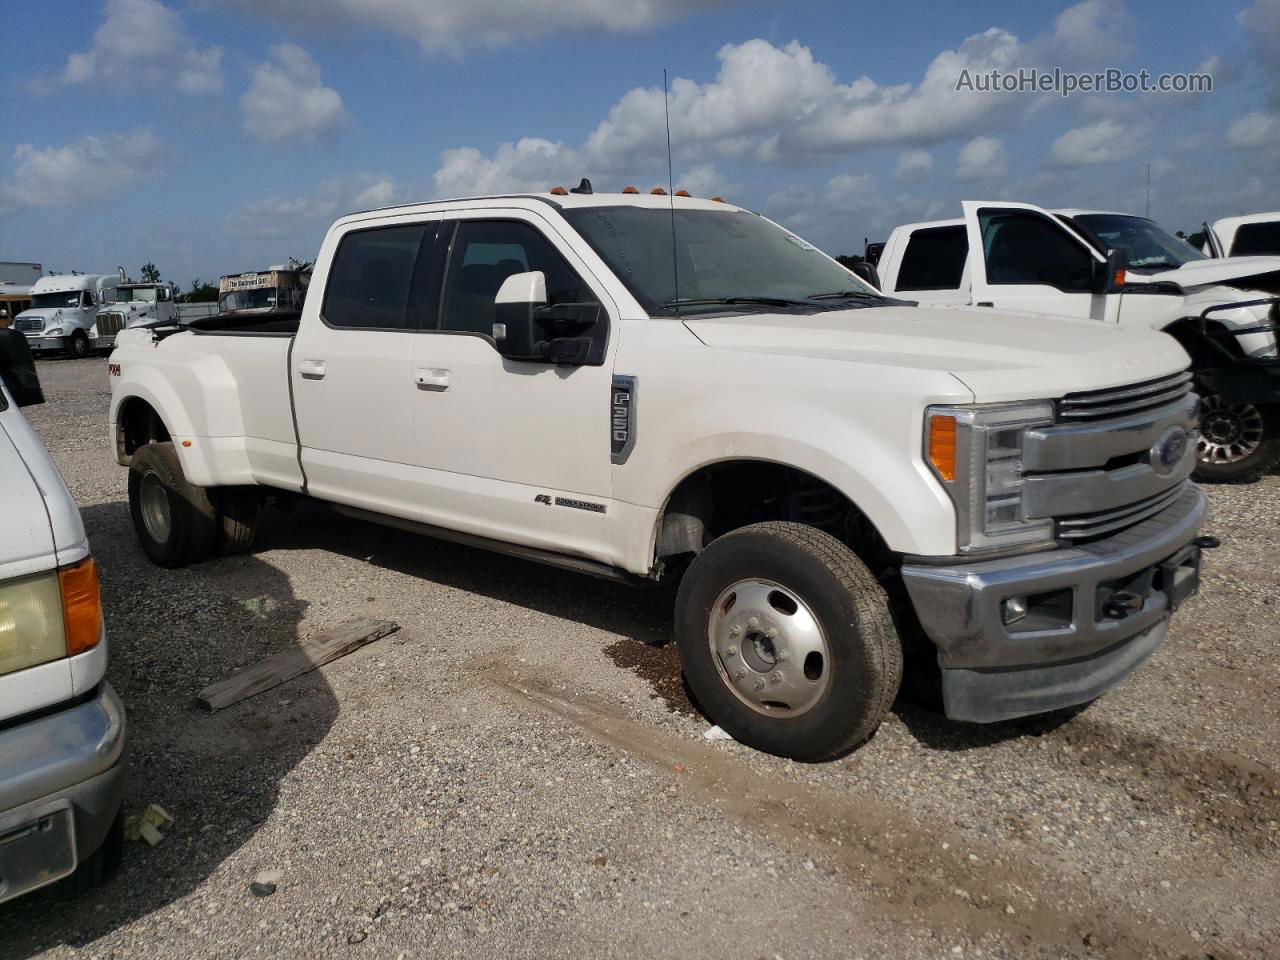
x,y
1123,270
843,481
62,727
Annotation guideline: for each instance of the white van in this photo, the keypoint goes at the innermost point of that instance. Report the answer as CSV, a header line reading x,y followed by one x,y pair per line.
x,y
62,311
62,727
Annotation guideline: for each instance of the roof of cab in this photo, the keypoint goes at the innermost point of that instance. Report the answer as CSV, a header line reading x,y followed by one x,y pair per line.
x,y
66,282
1233,222
558,201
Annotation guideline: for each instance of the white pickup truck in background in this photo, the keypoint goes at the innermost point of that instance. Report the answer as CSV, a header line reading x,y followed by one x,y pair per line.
x,y
640,386
1251,235
1056,262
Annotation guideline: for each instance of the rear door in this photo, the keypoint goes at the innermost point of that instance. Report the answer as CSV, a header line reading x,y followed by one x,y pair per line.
x,y
349,367
1024,258
933,265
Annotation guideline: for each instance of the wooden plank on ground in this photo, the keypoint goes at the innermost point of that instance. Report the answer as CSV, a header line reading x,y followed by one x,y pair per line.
x,y
274,670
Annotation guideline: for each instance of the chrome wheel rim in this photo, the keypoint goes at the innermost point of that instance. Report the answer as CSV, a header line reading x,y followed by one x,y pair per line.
x,y
769,647
153,499
1229,433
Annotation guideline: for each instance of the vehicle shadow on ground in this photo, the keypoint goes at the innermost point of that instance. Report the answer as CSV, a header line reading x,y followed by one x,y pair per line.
x,y
171,633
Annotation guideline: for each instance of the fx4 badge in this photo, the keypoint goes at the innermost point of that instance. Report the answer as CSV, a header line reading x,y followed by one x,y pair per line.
x,y
113,369
622,418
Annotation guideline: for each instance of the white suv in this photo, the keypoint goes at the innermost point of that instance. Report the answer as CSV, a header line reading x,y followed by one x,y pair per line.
x,y
62,727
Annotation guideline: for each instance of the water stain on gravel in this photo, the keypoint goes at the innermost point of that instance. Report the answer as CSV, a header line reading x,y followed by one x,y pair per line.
x,y
877,844
659,667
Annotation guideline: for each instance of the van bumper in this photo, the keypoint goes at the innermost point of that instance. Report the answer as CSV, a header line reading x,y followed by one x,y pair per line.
x,y
1077,640
61,779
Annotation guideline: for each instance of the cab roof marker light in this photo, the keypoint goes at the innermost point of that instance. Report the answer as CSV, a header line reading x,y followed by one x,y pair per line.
x,y
682,193
559,192
718,199
630,190
658,192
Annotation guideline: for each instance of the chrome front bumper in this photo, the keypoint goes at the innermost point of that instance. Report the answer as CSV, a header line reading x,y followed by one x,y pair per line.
x,y
47,344
61,779
1072,645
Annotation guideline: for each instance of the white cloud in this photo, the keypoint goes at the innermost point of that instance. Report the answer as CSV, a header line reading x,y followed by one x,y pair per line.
x,y
91,169
530,164
309,214
1100,142
142,43
846,191
914,164
980,159
1255,130
1262,23
1093,31
449,25
286,101
705,180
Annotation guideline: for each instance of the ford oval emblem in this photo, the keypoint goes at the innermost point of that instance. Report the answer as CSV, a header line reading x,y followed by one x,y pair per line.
x,y
1169,450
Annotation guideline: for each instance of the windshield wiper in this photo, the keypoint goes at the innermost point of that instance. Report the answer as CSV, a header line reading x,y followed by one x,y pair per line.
x,y
848,295
735,301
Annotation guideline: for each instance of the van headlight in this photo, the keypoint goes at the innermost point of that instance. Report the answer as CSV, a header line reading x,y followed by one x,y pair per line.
x,y
31,630
976,452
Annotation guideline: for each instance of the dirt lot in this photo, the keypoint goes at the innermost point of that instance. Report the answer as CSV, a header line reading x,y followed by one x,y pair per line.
x,y
516,773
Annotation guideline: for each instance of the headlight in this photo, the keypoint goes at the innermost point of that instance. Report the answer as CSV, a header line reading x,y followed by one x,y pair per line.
x,y
49,615
56,331
30,622
976,452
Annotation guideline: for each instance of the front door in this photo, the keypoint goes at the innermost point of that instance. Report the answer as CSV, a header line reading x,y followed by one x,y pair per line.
x,y
1022,258
511,449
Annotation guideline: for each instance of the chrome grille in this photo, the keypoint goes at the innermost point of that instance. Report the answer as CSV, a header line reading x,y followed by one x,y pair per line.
x,y
109,324
29,324
1089,405
1086,526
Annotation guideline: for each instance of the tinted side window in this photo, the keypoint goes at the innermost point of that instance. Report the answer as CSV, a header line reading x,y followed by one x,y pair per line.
x,y
369,280
1023,247
1256,239
485,253
934,259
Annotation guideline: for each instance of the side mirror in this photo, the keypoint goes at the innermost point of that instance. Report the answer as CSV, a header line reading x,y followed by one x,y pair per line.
x,y
525,327
1114,272
867,272
18,369
872,253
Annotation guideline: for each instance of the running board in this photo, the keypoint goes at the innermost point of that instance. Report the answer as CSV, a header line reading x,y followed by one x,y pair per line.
x,y
591,568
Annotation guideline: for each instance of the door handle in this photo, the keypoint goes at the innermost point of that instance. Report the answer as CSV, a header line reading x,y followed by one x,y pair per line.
x,y
311,369
437,380
985,303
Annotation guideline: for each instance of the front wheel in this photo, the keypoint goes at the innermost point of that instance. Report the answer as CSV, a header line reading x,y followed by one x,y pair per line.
x,y
1238,442
78,346
786,641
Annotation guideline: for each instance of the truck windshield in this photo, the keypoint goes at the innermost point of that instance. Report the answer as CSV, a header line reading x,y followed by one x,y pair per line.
x,y
732,259
139,294
51,301
263,298
1149,247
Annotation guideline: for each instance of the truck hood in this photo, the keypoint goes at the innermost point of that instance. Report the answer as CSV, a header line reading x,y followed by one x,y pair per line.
x,y
998,355
1197,273
48,315
40,527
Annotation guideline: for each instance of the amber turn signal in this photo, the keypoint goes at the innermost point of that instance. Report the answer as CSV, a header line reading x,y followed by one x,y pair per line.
x,y
81,606
942,445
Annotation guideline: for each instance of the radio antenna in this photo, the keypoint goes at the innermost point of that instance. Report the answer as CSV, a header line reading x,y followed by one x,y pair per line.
x,y
671,195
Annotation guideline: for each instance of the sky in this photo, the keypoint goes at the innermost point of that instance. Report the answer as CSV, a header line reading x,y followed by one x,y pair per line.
x,y
216,136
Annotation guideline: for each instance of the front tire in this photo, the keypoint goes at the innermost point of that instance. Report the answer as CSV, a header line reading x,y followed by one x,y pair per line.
x,y
78,346
174,519
1238,442
786,641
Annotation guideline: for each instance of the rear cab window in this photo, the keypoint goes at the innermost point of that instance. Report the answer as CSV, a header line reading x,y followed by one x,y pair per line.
x,y
372,277
1256,239
934,259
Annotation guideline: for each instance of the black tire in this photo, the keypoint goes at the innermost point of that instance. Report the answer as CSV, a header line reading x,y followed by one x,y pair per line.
x,y
192,519
1263,426
78,345
237,520
99,867
862,672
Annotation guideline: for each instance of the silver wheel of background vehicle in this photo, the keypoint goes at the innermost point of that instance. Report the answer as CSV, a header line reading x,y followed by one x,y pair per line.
x,y
154,502
1228,432
769,647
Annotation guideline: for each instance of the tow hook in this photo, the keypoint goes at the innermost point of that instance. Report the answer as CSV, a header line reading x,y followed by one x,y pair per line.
x,y
1120,605
1207,543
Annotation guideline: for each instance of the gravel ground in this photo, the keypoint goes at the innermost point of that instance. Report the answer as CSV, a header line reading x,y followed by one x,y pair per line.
x,y
516,773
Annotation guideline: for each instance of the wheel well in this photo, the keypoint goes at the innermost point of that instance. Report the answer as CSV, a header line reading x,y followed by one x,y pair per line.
x,y
139,424
724,496
1208,346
